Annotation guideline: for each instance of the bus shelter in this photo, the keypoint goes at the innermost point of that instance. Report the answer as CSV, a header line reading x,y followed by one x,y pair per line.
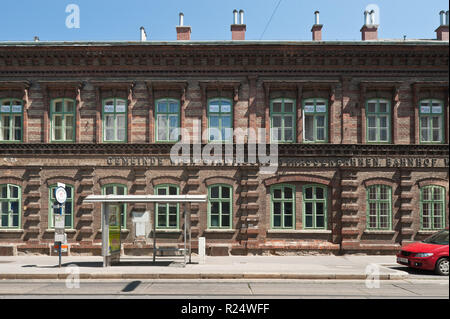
x,y
111,221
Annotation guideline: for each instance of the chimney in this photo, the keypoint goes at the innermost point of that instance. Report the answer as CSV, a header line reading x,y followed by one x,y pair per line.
x,y
143,34
369,31
442,30
183,32
316,28
238,30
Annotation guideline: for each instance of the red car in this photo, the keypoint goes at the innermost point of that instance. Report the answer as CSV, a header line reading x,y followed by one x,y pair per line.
x,y
430,254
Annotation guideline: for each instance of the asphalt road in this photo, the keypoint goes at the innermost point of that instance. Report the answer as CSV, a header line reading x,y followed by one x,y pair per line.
x,y
236,289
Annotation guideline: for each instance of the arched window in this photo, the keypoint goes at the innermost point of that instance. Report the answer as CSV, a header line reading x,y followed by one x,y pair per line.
x,y
117,189
220,206
220,120
68,207
11,120
167,120
378,115
432,207
115,120
379,207
283,117
167,214
315,207
10,206
431,121
315,121
62,115
283,207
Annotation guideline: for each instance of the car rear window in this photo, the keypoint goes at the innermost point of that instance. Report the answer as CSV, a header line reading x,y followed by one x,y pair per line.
x,y
440,238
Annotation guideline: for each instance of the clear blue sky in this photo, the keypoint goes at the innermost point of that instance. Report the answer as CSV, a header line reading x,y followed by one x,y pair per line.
x,y
104,20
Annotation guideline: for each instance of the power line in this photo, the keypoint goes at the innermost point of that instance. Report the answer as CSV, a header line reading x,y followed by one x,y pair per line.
x,y
273,13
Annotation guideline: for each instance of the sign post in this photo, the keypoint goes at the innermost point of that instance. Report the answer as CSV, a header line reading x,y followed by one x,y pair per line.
x,y
60,235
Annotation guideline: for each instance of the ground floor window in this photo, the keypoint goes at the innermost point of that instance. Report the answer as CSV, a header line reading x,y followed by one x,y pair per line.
x,y
314,207
68,207
379,207
9,206
220,206
432,200
167,214
283,206
117,189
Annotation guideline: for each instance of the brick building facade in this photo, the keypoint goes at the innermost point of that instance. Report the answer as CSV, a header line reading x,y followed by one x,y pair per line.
x,y
363,158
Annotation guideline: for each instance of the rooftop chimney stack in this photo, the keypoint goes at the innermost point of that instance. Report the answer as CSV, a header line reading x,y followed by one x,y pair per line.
x,y
183,32
316,28
143,34
238,30
369,31
442,30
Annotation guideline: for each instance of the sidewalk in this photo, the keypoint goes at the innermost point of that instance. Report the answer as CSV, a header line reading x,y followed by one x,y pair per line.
x,y
231,267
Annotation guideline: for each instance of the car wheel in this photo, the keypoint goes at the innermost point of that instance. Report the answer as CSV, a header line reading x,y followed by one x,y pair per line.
x,y
442,267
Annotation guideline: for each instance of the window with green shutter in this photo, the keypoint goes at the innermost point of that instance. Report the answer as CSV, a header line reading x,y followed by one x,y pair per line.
x,y
220,206
10,206
315,121
379,207
11,120
62,120
283,207
167,214
283,117
431,121
432,207
220,120
167,120
378,118
68,207
314,207
115,120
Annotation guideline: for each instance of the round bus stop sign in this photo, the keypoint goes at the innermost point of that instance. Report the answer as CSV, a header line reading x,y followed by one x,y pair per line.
x,y
61,195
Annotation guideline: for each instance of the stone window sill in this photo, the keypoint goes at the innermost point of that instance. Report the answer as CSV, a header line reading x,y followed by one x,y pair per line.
x,y
52,230
6,230
168,230
427,232
299,231
122,230
379,232
220,230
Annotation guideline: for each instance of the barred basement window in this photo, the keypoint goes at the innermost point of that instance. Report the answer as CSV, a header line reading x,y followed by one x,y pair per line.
x,y
314,207
10,206
167,120
431,121
282,121
283,207
378,113
62,115
315,121
432,204
115,120
68,207
220,206
167,215
117,189
11,111
379,207
220,120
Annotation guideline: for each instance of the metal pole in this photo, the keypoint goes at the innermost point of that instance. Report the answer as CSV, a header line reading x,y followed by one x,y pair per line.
x,y
185,233
154,234
190,236
60,243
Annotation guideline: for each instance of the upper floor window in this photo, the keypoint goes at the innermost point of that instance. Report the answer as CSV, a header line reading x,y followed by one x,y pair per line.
x,y
379,207
220,120
167,214
431,114
283,207
62,114
117,209
220,206
315,207
115,120
167,120
378,114
9,206
432,199
68,207
315,121
11,111
282,121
